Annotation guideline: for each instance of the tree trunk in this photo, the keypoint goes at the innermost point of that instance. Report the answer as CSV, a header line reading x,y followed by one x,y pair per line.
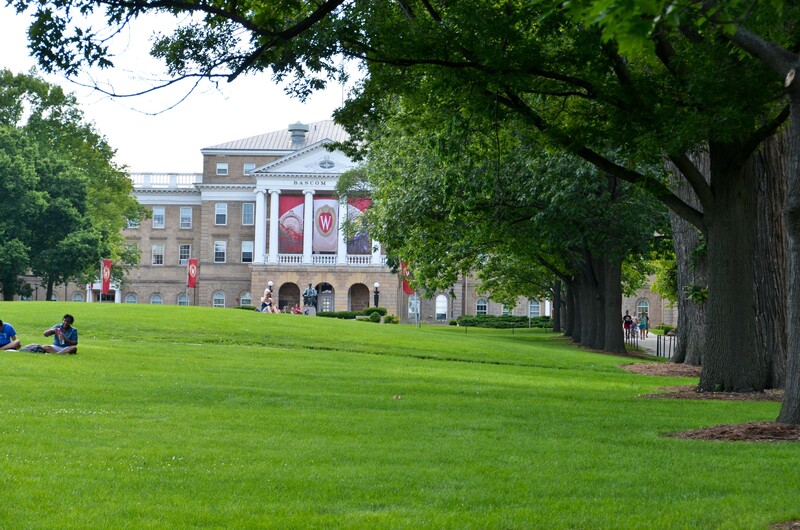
x,y
690,342
588,301
599,266
574,312
557,306
790,410
614,337
769,166
732,361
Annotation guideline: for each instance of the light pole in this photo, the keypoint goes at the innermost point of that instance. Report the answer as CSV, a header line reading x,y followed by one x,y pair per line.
x,y
269,284
376,293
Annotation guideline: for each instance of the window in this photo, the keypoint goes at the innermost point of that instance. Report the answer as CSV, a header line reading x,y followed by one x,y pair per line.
x,y
221,213
222,168
248,213
505,310
77,297
245,299
247,252
132,223
218,299
413,306
441,307
248,167
158,217
130,299
184,253
158,254
481,307
156,299
183,299
642,307
186,218
220,251
534,309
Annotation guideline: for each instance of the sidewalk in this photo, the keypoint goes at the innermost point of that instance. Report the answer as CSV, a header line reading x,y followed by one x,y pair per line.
x,y
648,345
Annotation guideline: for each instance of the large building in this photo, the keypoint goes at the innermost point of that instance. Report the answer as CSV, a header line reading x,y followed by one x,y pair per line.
x,y
264,210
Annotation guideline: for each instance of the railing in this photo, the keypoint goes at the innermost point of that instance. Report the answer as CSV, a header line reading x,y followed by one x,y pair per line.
x,y
359,260
632,338
166,180
665,345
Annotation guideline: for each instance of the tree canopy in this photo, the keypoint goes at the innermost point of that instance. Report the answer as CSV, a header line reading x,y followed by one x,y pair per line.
x,y
67,200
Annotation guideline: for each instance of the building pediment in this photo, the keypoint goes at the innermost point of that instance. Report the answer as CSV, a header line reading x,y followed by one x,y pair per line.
x,y
313,162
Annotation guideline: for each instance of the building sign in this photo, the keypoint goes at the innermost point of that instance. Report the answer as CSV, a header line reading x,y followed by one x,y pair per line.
x,y
290,224
326,225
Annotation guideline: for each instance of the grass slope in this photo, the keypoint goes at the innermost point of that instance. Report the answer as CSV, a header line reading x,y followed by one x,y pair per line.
x,y
200,417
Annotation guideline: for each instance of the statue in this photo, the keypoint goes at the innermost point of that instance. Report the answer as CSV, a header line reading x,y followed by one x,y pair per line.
x,y
310,296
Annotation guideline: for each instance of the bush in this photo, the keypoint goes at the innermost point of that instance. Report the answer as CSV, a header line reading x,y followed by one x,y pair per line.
x,y
453,323
380,310
504,321
246,307
665,327
375,317
345,315
391,319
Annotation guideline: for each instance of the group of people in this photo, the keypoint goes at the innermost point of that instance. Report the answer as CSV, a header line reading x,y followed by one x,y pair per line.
x,y
633,325
268,304
65,338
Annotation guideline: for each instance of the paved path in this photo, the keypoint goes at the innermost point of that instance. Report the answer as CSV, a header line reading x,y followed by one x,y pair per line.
x,y
649,344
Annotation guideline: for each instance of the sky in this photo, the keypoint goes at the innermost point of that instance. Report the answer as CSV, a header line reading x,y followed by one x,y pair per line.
x,y
147,135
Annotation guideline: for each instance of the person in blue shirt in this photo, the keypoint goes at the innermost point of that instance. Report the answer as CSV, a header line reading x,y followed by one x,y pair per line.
x,y
65,337
8,337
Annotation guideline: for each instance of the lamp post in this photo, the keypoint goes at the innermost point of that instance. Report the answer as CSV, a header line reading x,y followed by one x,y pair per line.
x,y
269,284
376,293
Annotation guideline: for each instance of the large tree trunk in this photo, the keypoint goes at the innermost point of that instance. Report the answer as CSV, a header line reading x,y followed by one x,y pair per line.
x,y
790,410
588,305
614,338
732,362
690,343
574,311
557,306
768,166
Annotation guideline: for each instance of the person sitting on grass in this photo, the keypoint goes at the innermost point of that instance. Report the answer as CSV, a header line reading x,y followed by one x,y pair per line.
x,y
8,337
65,340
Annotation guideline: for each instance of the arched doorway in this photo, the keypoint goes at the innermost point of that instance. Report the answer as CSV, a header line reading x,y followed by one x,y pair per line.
x,y
325,295
288,296
359,297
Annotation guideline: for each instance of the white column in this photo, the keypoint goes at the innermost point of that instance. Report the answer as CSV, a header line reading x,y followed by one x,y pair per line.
x,y
88,292
261,227
376,253
308,224
117,296
273,225
341,252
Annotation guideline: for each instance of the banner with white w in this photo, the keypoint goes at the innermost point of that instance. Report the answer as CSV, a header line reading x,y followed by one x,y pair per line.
x,y
326,225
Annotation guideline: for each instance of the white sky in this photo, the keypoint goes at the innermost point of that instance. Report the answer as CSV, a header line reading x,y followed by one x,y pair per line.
x,y
170,141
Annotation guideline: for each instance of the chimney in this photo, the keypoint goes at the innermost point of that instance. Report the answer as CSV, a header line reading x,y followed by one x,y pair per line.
x,y
298,131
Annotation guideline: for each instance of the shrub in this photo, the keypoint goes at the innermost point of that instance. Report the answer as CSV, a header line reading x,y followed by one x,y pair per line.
x,y
345,315
246,307
380,310
504,321
375,317
453,323
391,319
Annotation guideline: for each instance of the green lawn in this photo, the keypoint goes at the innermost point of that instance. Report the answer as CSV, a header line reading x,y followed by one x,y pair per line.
x,y
199,417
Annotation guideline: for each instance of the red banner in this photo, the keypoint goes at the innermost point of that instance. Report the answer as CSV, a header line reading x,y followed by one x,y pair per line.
x,y
106,275
406,276
191,282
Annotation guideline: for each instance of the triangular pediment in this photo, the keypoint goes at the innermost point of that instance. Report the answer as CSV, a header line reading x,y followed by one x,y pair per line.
x,y
313,160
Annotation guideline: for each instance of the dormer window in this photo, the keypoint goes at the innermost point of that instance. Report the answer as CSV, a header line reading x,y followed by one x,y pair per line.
x,y
222,168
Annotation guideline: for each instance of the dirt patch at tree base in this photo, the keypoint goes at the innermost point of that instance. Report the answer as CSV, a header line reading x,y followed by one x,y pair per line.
x,y
788,525
763,431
